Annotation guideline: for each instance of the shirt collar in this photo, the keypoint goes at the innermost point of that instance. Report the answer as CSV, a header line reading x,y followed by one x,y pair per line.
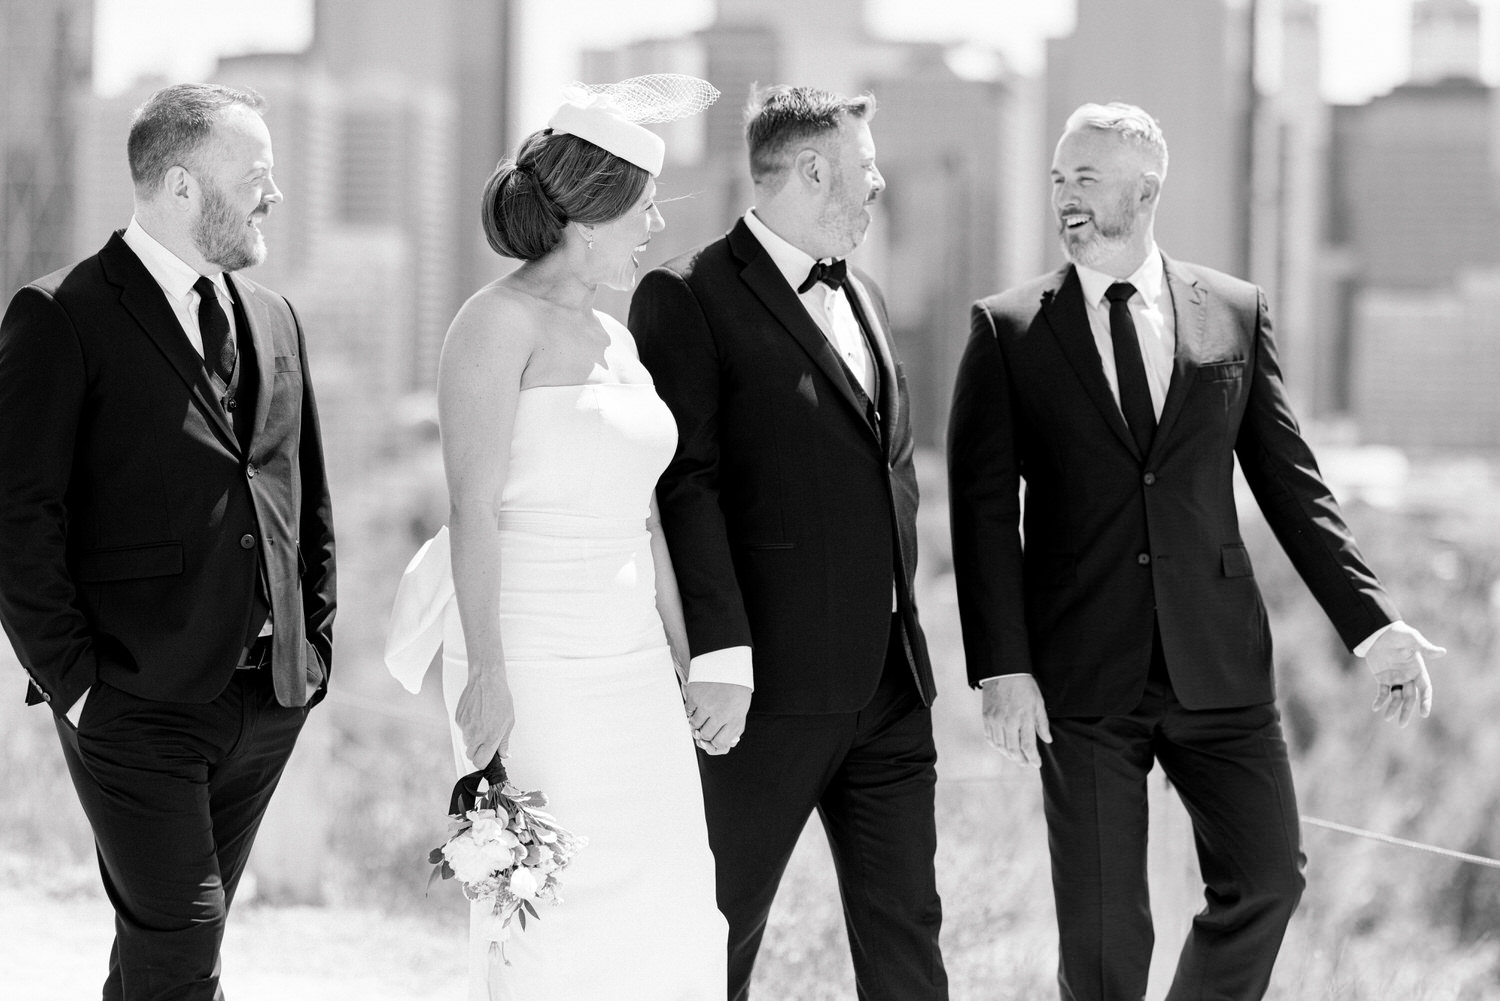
x,y
170,271
1147,279
792,262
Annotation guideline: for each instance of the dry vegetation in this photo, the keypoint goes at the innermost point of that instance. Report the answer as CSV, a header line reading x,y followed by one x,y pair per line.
x,y
361,808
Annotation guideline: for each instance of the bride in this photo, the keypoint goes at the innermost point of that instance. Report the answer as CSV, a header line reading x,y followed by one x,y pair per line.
x,y
568,625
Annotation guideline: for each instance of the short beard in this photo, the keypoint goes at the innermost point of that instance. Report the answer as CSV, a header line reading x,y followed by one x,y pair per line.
x,y
1108,239
219,234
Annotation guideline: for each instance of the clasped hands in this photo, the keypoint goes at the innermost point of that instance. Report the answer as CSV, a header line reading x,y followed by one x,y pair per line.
x,y
716,712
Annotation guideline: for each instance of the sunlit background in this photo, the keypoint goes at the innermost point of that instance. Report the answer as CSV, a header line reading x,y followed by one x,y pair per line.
x,y
1343,154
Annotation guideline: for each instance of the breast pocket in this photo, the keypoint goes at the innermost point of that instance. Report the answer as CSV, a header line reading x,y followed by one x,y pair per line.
x,y
288,363
1224,371
1225,383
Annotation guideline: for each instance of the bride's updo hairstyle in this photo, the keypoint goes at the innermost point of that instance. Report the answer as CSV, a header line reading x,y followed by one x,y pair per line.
x,y
555,178
589,165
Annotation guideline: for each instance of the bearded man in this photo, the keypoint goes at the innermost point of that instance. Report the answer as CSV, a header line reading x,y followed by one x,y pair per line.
x,y
1123,626
166,543
790,511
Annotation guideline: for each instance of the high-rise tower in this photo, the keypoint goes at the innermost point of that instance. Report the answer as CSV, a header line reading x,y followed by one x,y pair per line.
x,y
46,64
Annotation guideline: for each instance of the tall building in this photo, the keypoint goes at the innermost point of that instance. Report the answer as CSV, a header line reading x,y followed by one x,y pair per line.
x,y
1417,190
1188,64
1291,259
430,83
46,65
1414,209
955,222
103,198
1428,364
1444,40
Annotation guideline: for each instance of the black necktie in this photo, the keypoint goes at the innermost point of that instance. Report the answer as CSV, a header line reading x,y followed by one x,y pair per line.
x,y
1135,394
219,352
831,275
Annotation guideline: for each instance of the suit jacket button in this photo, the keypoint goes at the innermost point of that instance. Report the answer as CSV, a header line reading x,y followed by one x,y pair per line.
x,y
1149,478
250,471
1142,559
247,541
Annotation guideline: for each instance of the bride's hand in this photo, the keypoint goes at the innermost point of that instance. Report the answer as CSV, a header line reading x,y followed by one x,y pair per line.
x,y
485,716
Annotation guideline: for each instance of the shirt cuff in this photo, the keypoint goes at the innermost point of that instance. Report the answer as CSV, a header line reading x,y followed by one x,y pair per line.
x,y
76,712
997,677
729,666
1364,647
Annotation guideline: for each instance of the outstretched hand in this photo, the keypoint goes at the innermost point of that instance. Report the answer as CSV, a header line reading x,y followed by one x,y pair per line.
x,y
1014,717
716,712
485,716
1397,659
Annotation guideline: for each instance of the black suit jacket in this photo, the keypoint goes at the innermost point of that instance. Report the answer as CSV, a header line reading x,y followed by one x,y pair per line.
x,y
133,525
1117,544
788,508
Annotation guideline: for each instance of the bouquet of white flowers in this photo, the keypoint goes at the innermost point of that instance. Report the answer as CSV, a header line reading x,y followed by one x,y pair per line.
x,y
504,848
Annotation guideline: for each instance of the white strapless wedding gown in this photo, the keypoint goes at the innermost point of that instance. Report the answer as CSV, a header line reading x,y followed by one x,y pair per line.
x,y
599,718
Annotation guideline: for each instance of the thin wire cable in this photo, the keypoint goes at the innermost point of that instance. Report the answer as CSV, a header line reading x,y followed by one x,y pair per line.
x,y
379,708
1390,839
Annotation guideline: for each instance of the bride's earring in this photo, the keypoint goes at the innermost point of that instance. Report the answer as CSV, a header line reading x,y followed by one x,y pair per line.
x,y
588,236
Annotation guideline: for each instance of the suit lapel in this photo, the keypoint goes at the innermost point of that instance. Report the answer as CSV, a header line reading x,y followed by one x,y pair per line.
x,y
889,404
1065,311
147,304
1190,313
258,318
763,278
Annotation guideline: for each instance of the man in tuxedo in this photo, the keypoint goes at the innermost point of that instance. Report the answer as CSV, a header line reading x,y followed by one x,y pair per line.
x,y
790,512
166,549
1123,626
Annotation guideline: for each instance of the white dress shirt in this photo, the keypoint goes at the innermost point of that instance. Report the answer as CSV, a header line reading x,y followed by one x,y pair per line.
x,y
176,279
1155,324
829,307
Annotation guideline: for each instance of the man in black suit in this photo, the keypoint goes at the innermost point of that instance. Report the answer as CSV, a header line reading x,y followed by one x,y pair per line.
x,y
166,549
790,512
1128,627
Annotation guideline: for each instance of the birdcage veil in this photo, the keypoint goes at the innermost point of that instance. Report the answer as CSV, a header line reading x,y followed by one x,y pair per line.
x,y
656,97
612,115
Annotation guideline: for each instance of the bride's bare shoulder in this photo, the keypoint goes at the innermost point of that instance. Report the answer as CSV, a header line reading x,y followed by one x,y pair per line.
x,y
496,319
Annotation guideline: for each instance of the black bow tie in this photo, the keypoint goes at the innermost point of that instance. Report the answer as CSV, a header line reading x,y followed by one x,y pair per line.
x,y
832,275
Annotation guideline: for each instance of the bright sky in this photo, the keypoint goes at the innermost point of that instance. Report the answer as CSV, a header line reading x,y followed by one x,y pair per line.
x,y
1366,50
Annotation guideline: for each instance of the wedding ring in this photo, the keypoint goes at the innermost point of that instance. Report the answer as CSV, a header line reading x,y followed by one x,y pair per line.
x,y
1395,689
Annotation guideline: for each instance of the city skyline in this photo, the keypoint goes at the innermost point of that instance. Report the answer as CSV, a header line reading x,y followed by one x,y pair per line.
x,y
1365,42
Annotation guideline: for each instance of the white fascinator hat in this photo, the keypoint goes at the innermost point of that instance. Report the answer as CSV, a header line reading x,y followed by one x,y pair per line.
x,y
613,116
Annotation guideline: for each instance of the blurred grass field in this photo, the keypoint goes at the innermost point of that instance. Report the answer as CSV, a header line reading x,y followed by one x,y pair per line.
x,y
338,910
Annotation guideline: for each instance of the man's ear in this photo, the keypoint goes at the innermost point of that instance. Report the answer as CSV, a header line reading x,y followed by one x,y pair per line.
x,y
810,167
1150,188
179,188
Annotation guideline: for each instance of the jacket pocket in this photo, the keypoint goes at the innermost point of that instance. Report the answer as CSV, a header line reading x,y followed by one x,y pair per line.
x,y
1235,560
1226,371
287,363
162,559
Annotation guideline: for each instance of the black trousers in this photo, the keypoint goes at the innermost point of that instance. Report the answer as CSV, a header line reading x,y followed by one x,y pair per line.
x,y
871,776
1230,767
174,794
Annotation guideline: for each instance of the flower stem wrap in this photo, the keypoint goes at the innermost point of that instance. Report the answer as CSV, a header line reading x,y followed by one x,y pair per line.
x,y
466,790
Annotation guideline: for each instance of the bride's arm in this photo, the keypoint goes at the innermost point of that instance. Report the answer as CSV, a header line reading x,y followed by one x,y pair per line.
x,y
479,384
668,600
